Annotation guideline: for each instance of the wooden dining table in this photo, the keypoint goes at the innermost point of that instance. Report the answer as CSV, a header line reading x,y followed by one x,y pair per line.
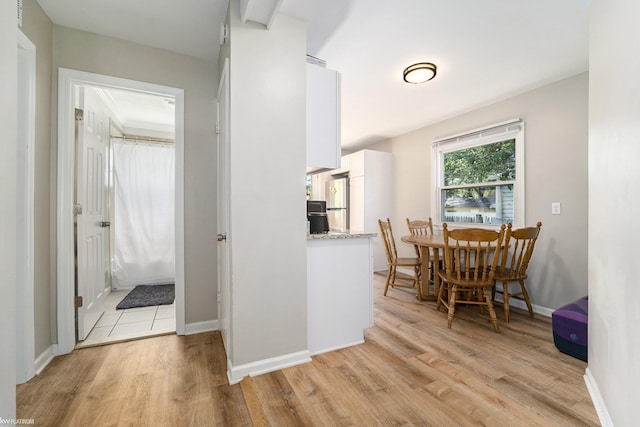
x,y
435,242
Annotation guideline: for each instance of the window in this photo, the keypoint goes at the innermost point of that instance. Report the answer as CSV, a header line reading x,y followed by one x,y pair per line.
x,y
479,176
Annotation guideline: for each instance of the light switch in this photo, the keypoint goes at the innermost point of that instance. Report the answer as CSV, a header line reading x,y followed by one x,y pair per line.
x,y
555,208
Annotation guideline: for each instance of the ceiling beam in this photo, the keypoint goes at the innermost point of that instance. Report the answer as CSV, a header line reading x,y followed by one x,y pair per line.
x,y
261,11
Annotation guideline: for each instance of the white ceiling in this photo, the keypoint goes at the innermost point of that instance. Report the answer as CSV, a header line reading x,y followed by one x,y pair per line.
x,y
485,50
191,27
141,113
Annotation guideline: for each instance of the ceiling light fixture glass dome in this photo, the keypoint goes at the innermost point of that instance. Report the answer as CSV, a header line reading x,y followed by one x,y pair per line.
x,y
419,73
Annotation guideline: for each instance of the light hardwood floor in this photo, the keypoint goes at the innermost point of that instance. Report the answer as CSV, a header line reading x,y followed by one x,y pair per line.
x,y
412,370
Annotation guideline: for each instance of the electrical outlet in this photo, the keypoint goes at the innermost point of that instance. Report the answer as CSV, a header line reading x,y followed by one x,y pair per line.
x,y
555,208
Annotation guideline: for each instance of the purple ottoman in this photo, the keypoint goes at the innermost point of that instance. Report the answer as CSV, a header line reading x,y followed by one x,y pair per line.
x,y
569,324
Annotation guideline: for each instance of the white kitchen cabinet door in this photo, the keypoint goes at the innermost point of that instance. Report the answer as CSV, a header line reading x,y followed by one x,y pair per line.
x,y
340,298
371,178
357,204
323,118
357,165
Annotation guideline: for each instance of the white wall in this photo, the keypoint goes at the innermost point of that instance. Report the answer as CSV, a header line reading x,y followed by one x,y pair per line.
x,y
37,26
268,169
614,182
556,127
90,52
8,161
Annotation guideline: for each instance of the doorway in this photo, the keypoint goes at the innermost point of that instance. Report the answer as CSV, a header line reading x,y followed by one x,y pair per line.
x,y
68,81
125,235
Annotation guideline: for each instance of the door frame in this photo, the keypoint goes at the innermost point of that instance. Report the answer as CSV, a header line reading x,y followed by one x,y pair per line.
x,y
67,79
25,321
225,295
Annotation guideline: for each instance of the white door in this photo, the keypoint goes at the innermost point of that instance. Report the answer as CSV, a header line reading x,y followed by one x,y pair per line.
x,y
92,233
224,265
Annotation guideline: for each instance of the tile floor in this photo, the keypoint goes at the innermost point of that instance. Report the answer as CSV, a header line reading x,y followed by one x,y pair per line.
x,y
123,325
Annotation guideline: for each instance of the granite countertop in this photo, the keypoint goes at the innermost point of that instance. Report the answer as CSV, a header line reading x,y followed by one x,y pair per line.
x,y
340,235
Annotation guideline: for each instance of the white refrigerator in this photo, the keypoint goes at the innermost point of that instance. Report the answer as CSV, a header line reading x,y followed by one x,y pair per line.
x,y
337,196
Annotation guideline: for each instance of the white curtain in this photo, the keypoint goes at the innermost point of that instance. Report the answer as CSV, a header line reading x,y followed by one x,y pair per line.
x,y
143,222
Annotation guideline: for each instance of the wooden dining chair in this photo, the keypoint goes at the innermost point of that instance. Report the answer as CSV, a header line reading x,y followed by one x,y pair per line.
x,y
420,227
394,261
519,245
471,258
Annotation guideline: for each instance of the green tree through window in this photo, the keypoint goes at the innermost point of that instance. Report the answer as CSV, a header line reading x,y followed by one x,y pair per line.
x,y
485,163
478,183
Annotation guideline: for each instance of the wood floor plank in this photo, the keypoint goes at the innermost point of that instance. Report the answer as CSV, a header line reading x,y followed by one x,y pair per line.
x,y
258,417
419,396
323,406
411,370
278,400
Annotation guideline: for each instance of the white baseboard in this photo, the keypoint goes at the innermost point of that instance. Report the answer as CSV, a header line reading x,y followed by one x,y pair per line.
x,y
236,373
537,309
45,358
596,398
339,347
200,327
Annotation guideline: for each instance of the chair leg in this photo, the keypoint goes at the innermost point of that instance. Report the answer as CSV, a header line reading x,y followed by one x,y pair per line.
x,y
505,296
492,312
525,294
452,305
440,295
386,285
480,297
393,275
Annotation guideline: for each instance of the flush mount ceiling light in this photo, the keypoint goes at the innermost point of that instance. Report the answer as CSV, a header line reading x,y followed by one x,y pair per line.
x,y
419,73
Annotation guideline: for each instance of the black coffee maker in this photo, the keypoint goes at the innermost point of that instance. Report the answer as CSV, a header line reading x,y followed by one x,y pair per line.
x,y
317,216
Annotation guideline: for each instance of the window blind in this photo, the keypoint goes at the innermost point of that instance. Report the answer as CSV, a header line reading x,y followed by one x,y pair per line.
x,y
503,128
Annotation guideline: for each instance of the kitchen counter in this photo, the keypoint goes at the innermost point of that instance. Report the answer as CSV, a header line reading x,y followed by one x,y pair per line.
x,y
340,235
339,289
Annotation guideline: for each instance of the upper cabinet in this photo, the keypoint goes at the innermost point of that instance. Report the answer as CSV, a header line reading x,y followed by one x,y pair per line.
x,y
323,118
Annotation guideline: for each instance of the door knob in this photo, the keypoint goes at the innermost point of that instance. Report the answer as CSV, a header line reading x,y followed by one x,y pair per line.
x,y
105,224
222,236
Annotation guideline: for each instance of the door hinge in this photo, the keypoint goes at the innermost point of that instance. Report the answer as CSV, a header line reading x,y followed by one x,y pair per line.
x,y
77,209
78,301
79,114
217,128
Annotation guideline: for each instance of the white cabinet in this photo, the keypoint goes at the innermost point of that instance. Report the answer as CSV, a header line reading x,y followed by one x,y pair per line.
x,y
339,292
323,118
357,161
371,196
356,204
